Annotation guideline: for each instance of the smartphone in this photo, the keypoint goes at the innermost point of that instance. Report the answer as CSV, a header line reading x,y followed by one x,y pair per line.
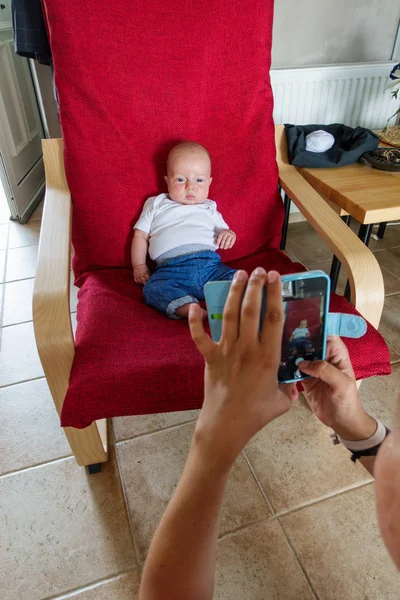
x,y
306,305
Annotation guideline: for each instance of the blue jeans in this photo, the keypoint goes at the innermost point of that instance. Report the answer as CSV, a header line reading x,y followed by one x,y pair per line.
x,y
180,280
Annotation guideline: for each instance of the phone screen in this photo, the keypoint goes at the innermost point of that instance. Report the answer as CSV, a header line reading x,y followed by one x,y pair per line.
x,y
305,308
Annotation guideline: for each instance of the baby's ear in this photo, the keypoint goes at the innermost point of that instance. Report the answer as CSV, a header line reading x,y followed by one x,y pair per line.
x,y
210,180
166,178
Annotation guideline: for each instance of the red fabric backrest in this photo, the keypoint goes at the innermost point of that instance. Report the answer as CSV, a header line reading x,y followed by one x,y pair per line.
x,y
133,78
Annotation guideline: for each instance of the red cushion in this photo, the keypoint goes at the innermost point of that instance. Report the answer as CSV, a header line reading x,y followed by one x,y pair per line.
x,y
132,360
133,78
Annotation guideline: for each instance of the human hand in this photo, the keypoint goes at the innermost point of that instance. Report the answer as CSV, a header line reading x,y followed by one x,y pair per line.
x,y
141,274
241,392
226,239
333,394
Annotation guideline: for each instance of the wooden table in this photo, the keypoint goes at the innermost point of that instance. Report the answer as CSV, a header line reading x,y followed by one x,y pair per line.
x,y
359,191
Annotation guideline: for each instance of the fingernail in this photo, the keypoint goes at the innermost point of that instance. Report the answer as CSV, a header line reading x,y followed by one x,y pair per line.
x,y
273,276
192,308
259,271
239,276
304,363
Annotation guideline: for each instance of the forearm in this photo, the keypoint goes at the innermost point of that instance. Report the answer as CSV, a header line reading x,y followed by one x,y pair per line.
x,y
138,251
181,559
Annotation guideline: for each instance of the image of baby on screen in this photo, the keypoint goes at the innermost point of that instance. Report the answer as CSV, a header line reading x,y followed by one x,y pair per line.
x,y
299,340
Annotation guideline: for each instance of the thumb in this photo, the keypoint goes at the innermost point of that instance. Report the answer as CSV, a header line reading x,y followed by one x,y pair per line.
x,y
320,369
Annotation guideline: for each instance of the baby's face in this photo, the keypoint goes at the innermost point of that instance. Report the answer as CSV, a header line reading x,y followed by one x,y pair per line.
x,y
188,177
303,323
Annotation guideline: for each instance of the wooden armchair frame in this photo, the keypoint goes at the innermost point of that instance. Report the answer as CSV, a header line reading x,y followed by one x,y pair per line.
x,y
51,310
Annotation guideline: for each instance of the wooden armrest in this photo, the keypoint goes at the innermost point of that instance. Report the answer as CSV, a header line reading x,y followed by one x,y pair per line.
x,y
51,310
362,268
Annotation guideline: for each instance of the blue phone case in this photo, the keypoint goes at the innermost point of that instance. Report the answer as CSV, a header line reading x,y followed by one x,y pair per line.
x,y
216,293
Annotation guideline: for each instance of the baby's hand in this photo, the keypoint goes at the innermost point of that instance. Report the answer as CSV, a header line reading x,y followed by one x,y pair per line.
x,y
141,274
226,239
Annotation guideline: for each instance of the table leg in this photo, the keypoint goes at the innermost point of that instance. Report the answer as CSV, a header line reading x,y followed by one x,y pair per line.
x,y
335,267
287,203
381,230
364,234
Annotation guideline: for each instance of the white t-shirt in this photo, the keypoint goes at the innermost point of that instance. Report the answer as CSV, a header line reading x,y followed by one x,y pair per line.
x,y
300,332
171,224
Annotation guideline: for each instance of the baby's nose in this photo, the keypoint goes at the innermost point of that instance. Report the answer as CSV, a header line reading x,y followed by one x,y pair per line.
x,y
189,184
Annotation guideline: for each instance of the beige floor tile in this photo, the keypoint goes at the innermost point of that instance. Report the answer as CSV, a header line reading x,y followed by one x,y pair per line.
x,y
24,235
381,397
256,564
390,239
390,259
150,469
390,321
37,214
130,427
338,544
394,355
296,462
125,587
30,427
64,529
18,301
299,226
21,263
19,359
4,236
2,264
308,247
4,210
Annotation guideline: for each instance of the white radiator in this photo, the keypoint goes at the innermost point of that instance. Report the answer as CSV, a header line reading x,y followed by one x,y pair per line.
x,y
353,94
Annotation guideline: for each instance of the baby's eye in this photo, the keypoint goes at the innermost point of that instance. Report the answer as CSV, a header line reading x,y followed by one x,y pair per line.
x,y
200,180
180,179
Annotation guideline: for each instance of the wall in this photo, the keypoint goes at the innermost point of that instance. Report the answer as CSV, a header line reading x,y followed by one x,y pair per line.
x,y
313,32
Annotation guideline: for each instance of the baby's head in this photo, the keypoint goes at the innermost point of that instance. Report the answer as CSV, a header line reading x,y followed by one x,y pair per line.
x,y
188,173
303,324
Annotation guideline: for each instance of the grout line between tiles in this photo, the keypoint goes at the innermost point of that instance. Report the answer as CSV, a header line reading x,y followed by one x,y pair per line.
x,y
6,385
299,564
258,482
91,586
141,435
321,499
28,321
17,280
135,542
275,518
38,465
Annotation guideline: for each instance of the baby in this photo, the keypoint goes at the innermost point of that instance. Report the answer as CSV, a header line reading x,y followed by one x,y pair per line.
x,y
181,230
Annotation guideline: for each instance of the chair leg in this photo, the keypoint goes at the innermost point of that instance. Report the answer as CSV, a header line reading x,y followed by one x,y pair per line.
x,y
287,203
335,267
89,445
93,469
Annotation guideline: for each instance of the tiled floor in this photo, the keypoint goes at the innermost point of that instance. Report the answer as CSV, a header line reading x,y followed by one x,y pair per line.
x,y
298,520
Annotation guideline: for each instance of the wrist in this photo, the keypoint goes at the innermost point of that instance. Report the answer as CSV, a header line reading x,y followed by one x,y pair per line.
x,y
141,265
361,428
207,451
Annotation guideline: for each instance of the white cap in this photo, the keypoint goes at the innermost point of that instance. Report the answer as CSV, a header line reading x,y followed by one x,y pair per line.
x,y
319,141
